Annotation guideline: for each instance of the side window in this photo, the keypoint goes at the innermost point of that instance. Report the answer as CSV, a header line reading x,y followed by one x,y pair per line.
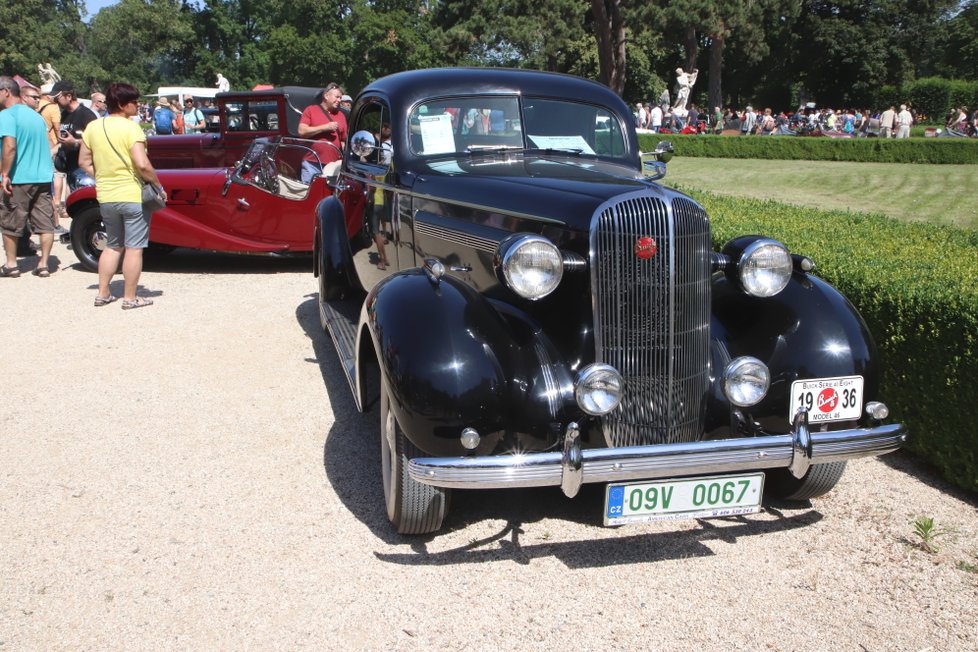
x,y
608,138
374,119
251,116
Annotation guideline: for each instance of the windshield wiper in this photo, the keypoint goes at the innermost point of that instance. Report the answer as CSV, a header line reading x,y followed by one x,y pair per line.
x,y
576,151
491,149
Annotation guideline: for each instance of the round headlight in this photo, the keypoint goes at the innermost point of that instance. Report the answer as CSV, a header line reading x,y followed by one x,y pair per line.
x,y
765,268
745,381
598,389
532,266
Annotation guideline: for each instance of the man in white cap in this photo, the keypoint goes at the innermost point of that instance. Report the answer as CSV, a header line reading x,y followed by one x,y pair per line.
x,y
904,120
346,103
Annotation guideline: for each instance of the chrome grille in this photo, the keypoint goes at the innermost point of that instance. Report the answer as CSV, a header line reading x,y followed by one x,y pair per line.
x,y
652,317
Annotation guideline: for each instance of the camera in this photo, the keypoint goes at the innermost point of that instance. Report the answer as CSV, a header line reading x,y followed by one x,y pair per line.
x,y
64,132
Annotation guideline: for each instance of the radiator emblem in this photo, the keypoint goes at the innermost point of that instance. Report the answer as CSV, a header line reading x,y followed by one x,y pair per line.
x,y
645,248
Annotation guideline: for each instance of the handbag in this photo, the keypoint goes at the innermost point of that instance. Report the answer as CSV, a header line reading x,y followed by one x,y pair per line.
x,y
153,197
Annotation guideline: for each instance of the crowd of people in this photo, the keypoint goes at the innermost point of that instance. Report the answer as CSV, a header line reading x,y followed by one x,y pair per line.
x,y
53,142
891,122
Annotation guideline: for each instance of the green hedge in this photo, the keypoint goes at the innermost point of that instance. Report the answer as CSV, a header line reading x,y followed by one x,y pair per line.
x,y
961,151
916,285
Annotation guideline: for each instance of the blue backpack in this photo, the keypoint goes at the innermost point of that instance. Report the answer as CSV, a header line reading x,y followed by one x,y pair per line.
x,y
163,120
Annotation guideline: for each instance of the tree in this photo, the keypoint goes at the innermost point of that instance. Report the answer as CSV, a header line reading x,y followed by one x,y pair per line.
x,y
139,41
45,31
715,23
960,58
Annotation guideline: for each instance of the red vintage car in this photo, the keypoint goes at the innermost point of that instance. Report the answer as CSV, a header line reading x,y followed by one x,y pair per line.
x,y
259,206
242,116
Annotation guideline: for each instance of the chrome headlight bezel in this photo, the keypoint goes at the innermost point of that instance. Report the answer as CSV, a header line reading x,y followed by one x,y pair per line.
x,y
746,381
598,389
764,267
530,265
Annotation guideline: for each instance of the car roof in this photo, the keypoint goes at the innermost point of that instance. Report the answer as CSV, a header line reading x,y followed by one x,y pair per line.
x,y
417,85
297,99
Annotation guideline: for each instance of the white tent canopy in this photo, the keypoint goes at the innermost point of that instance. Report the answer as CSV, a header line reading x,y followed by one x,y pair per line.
x,y
180,92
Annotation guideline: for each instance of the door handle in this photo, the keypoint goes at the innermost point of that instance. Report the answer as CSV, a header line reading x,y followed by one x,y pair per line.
x,y
243,203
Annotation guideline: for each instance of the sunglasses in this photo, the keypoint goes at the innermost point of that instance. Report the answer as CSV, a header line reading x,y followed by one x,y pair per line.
x,y
31,97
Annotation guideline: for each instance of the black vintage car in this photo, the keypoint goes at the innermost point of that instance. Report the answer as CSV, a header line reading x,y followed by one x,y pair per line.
x,y
499,271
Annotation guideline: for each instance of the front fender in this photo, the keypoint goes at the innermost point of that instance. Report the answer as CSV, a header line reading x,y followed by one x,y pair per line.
x,y
808,330
451,361
334,260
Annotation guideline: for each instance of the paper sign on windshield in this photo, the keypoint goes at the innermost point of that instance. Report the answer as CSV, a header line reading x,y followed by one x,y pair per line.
x,y
562,142
436,134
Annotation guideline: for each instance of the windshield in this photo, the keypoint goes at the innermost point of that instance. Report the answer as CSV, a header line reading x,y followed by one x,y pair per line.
x,y
476,123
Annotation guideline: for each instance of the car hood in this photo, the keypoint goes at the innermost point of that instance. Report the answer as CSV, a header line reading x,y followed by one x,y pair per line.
x,y
564,189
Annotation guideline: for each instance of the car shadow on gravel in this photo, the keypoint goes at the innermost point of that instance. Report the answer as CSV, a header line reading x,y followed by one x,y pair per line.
x,y
923,471
351,461
195,261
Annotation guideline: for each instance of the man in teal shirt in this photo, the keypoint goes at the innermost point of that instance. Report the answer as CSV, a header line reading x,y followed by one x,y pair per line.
x,y
25,189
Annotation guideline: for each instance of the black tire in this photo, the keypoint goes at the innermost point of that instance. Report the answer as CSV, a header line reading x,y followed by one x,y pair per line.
x,y
820,479
88,236
412,507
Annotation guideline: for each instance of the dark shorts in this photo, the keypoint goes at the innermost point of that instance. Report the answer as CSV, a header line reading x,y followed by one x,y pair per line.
x,y
126,224
29,201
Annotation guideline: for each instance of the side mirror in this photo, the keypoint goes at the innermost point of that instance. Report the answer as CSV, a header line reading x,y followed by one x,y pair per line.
x,y
363,143
654,162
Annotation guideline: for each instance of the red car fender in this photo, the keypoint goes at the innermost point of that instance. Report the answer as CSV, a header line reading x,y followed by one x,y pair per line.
x,y
170,227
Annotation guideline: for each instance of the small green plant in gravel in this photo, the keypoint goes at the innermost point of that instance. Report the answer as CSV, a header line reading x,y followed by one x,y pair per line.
x,y
927,532
968,567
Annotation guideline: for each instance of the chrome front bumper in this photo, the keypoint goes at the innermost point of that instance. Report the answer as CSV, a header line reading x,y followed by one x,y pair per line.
x,y
574,466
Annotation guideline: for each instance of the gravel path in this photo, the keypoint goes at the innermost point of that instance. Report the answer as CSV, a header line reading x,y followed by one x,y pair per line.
x,y
194,475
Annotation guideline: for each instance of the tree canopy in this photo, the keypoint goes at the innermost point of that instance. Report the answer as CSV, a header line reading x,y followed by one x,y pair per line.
x,y
776,52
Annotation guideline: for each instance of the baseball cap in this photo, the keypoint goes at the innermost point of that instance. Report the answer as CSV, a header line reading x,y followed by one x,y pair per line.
x,y
62,87
346,98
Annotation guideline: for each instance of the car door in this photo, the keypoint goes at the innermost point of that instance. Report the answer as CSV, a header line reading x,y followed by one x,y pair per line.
x,y
268,202
368,196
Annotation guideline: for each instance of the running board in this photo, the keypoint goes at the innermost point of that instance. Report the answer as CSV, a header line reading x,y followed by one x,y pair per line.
x,y
340,318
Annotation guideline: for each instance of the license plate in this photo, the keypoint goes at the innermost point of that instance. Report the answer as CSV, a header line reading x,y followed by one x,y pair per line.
x,y
664,500
828,399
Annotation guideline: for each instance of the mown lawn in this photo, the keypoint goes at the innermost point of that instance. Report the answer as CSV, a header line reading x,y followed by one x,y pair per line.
x,y
938,194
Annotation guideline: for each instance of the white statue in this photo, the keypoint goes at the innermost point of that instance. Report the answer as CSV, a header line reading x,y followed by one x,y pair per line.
x,y
685,80
223,85
48,74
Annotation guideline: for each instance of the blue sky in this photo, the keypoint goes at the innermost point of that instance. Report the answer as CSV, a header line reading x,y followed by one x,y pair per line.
x,y
92,6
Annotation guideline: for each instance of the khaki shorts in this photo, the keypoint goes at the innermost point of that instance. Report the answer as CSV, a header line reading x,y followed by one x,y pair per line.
x,y
29,202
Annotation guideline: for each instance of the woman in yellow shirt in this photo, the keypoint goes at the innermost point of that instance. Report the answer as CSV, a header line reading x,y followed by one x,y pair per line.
x,y
113,150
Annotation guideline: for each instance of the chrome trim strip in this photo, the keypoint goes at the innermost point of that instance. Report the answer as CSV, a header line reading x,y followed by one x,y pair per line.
x,y
455,236
656,461
491,209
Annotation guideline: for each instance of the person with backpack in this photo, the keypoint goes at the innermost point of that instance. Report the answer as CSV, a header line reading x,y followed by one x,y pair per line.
x,y
193,118
163,117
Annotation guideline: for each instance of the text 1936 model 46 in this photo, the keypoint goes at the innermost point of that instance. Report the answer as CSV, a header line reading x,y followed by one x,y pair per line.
x,y
530,309
259,206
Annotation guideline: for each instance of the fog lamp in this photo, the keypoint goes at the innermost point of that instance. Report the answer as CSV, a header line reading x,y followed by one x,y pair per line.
x,y
470,439
598,389
877,410
745,381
